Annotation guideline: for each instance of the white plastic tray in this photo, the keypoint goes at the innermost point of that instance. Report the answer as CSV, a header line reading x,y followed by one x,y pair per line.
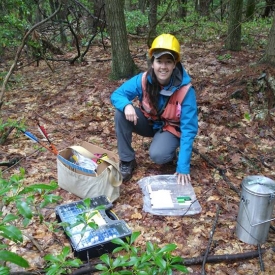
x,y
163,196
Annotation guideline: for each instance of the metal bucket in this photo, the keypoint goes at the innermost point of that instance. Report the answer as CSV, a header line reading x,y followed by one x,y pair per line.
x,y
255,209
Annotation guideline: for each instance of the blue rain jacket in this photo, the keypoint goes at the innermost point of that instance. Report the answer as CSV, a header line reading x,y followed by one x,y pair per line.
x,y
132,88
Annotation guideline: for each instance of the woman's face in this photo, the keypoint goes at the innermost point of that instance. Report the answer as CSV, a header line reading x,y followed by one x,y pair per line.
x,y
163,68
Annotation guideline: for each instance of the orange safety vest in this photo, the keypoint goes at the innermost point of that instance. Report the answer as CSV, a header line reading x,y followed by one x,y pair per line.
x,y
172,111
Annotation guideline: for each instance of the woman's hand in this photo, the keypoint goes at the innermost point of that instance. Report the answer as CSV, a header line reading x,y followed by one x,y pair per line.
x,y
183,178
130,113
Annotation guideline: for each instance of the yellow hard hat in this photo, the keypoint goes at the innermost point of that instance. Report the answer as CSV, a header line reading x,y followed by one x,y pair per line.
x,y
167,42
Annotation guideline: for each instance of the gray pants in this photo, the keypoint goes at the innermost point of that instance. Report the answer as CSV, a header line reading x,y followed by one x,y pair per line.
x,y
163,145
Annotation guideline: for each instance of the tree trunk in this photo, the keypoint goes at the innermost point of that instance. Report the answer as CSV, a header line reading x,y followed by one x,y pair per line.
x,y
123,65
127,5
268,7
152,18
38,14
269,56
203,7
60,18
233,41
250,9
99,15
182,8
224,7
142,5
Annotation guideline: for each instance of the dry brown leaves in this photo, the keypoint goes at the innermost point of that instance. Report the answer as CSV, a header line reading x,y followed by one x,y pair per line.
x,y
73,104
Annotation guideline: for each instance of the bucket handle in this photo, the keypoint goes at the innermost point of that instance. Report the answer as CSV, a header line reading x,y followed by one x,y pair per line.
x,y
246,212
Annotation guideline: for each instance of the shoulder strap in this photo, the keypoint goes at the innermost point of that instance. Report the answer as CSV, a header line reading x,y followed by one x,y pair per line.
x,y
143,82
182,92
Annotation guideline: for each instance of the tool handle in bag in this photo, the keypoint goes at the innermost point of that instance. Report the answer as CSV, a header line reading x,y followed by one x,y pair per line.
x,y
115,177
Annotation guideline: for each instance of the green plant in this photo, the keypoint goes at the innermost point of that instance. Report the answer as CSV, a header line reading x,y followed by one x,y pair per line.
x,y
251,30
14,22
26,205
135,20
2,74
86,217
154,260
247,117
226,56
6,127
61,264
9,231
14,191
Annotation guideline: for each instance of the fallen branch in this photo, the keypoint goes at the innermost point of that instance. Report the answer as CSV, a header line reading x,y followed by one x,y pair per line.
x,y
25,273
260,257
208,160
85,270
36,244
221,171
225,178
5,135
210,239
224,258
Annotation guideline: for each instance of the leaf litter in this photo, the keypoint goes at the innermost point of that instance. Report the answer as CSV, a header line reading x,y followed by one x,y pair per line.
x,y
73,103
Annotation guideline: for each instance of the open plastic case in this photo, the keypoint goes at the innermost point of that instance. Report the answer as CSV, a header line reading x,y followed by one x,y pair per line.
x,y
88,242
162,195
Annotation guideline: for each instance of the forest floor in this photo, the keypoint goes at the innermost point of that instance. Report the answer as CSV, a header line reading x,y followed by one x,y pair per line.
x,y
73,103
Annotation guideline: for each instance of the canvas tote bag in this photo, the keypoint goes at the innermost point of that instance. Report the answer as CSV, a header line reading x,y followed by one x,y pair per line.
x,y
83,184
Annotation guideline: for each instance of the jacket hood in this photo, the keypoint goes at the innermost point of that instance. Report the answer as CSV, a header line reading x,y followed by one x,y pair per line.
x,y
179,77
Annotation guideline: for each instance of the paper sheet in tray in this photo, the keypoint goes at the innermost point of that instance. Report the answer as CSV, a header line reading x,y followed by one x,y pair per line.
x,y
163,196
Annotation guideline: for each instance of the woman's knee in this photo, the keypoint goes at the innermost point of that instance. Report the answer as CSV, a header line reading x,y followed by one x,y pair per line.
x,y
159,157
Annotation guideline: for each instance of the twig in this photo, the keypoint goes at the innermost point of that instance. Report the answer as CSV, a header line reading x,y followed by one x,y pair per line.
x,y
225,178
34,242
210,239
25,273
221,171
5,135
19,160
260,258
209,161
88,269
262,159
224,257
